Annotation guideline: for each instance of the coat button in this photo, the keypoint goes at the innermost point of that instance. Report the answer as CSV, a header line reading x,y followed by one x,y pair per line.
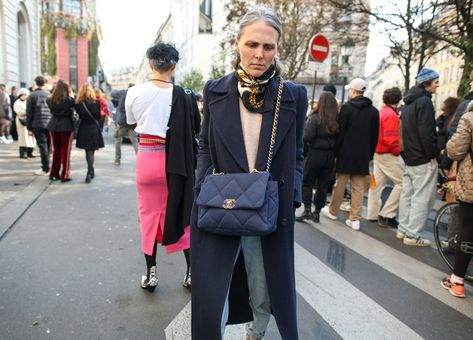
x,y
284,221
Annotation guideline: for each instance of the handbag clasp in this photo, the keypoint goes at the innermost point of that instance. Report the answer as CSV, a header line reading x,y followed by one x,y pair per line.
x,y
229,203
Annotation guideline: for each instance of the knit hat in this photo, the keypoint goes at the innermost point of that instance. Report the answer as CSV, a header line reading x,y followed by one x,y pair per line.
x,y
426,74
358,84
22,91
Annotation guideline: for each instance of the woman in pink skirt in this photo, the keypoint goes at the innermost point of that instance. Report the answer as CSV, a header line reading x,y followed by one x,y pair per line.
x,y
163,117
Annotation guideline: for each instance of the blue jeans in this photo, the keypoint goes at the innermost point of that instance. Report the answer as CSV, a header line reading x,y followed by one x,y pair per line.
x,y
417,197
257,286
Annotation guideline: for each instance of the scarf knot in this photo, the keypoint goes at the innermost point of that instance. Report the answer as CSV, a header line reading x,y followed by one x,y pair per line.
x,y
254,91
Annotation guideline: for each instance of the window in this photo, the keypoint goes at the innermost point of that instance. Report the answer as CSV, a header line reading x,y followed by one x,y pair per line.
x,y
205,16
72,6
73,74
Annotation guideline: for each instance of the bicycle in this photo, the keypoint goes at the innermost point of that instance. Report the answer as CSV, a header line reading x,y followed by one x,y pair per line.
x,y
446,227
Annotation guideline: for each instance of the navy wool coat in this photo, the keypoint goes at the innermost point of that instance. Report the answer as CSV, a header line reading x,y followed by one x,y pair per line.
x,y
214,270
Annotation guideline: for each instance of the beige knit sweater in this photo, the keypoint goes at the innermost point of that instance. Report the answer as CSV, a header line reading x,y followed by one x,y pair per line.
x,y
251,126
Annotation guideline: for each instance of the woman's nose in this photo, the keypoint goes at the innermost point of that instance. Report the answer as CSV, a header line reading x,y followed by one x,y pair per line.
x,y
259,53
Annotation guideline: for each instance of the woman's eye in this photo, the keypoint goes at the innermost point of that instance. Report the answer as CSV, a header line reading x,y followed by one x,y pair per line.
x,y
269,47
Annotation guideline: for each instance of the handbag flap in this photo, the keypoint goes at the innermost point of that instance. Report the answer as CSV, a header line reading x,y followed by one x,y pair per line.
x,y
234,191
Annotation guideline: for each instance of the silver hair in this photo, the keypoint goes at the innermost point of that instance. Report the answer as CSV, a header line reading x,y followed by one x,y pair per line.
x,y
269,16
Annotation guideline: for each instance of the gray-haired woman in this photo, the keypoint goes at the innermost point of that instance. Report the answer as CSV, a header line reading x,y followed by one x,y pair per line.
x,y
239,279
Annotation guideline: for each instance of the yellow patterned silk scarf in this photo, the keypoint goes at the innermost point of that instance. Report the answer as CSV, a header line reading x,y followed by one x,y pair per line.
x,y
253,91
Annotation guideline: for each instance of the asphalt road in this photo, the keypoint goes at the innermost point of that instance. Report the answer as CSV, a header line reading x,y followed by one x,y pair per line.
x,y
71,261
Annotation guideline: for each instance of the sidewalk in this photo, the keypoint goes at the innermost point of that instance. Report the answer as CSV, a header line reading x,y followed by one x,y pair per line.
x,y
19,186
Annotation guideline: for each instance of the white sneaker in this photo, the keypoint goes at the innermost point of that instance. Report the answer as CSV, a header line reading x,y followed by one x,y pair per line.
x,y
400,235
417,242
326,212
40,172
355,225
345,206
4,140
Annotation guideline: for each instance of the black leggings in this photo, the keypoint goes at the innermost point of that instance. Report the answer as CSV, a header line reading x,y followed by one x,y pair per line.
x,y
151,259
462,260
89,156
318,168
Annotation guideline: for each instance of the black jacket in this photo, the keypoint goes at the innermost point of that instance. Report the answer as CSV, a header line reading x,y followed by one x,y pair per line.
x,y
37,111
358,136
418,127
317,137
89,133
179,168
61,119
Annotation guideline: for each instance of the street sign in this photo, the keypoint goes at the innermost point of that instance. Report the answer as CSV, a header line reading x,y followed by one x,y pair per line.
x,y
319,48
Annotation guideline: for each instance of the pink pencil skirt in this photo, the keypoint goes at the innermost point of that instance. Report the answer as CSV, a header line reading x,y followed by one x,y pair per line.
x,y
152,197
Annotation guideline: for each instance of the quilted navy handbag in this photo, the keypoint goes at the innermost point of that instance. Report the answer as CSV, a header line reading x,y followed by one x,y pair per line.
x,y
241,204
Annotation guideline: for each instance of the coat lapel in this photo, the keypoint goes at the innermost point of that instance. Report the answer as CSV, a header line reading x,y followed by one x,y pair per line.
x,y
287,115
225,110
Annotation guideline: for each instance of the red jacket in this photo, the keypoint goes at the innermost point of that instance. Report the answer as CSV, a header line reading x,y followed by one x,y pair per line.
x,y
388,140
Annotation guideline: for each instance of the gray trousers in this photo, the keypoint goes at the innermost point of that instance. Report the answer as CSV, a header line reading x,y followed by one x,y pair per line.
x,y
417,197
257,286
118,134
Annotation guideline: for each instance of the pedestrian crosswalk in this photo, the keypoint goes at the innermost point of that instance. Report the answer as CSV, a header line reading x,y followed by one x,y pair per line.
x,y
364,288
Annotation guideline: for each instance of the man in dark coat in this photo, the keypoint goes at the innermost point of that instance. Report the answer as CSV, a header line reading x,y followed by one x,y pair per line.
x,y
122,129
214,269
37,120
356,144
419,138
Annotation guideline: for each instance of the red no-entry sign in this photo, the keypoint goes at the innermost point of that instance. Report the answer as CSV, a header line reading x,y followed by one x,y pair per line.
x,y
319,48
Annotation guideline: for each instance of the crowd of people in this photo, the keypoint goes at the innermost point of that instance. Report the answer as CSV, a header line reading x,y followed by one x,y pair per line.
x,y
253,122
401,146
47,119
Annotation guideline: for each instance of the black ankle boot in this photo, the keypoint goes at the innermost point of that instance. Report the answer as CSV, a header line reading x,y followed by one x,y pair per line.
x,y
316,216
23,152
92,173
88,178
306,215
29,152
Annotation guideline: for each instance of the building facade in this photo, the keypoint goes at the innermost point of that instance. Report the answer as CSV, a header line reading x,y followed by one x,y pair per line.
x,y
19,41
69,40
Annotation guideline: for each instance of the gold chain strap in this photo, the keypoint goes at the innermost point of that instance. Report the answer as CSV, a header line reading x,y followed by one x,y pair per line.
x,y
275,125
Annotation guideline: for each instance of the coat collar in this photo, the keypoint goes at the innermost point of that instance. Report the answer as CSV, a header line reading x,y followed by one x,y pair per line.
x,y
226,115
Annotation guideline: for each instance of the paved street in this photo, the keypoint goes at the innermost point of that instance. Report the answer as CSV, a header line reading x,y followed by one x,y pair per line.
x,y
70,264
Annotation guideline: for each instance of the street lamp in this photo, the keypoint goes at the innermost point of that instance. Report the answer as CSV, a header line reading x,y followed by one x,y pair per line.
x,y
346,52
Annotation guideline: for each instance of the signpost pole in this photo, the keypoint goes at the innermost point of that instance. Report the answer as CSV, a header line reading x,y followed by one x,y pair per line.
x,y
313,89
343,89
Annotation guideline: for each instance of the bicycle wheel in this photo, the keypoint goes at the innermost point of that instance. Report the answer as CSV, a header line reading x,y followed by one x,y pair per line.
x,y
446,228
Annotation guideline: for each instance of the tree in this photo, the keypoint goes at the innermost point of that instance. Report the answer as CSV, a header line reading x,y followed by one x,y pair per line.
x,y
400,20
455,28
422,28
216,72
301,19
193,80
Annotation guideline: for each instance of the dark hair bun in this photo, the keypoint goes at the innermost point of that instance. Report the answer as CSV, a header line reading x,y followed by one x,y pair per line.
x,y
163,53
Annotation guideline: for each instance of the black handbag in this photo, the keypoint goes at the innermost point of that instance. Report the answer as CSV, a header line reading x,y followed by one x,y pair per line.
x,y
241,204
